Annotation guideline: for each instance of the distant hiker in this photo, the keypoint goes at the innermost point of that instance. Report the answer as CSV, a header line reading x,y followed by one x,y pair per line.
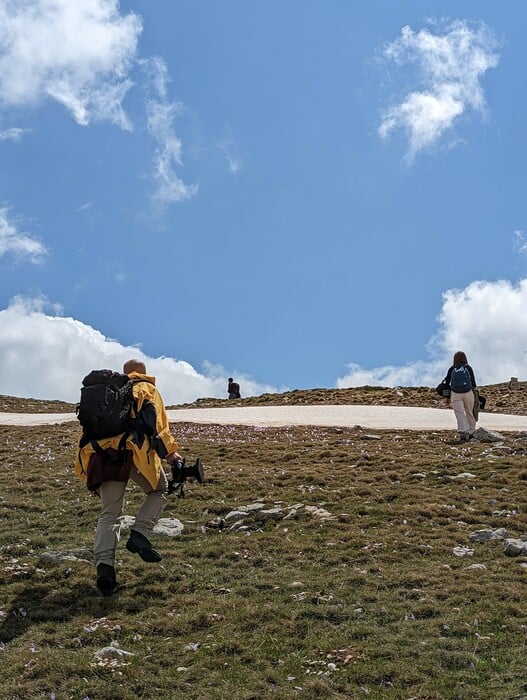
x,y
460,378
106,463
233,389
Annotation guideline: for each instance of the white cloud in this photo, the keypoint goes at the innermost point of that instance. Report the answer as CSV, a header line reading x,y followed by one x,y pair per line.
x,y
520,244
161,113
81,55
19,244
450,67
46,357
77,53
486,320
233,164
13,134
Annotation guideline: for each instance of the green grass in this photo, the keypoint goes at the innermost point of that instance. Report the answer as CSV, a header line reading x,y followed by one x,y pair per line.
x,y
370,604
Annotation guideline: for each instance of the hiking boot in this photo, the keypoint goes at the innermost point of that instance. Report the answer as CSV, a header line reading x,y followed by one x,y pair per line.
x,y
138,544
106,579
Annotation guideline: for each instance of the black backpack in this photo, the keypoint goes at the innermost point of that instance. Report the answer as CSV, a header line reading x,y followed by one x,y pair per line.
x,y
106,403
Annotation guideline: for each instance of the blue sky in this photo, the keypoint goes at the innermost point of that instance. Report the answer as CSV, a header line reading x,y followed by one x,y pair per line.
x,y
296,193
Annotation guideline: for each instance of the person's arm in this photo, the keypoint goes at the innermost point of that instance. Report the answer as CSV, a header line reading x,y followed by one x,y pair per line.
x,y
472,377
152,415
447,382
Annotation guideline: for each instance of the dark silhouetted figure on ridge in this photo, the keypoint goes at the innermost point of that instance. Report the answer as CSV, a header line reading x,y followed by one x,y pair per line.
x,y
233,389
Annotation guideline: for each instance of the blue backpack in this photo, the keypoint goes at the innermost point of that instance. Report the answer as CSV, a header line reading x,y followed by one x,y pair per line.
x,y
460,381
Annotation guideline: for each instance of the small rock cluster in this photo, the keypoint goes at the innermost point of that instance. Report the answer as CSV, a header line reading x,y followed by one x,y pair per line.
x,y
512,546
257,514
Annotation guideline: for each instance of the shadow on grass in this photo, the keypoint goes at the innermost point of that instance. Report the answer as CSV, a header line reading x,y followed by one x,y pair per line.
x,y
38,605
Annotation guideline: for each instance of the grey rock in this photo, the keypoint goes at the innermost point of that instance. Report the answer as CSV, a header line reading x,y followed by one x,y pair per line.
x,y
488,535
484,435
252,507
271,514
218,523
234,515
321,513
112,652
167,527
514,547
85,555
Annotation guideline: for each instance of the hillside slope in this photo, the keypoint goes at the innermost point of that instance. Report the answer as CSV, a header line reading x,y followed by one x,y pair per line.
x,y
500,399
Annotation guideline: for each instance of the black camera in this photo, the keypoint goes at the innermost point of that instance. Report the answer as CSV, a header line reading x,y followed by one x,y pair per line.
x,y
181,472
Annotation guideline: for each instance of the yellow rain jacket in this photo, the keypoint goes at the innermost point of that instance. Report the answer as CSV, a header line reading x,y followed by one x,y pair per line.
x,y
148,453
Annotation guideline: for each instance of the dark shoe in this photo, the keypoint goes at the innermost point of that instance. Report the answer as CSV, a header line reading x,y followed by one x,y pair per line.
x,y
106,579
138,544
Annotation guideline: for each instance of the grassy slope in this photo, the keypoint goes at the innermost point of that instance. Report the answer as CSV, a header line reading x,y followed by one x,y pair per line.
x,y
372,603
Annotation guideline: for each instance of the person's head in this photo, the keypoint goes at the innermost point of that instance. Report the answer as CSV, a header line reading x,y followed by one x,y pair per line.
x,y
230,380
460,359
134,366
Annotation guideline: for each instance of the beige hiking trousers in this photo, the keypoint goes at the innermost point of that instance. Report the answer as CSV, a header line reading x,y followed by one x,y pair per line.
x,y
112,501
463,405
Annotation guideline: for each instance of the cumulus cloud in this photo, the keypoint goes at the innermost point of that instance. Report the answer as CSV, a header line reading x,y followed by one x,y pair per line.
x,y
161,113
45,356
450,65
19,244
485,320
77,53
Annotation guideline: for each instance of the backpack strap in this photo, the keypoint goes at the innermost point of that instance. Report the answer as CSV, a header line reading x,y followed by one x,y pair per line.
x,y
121,447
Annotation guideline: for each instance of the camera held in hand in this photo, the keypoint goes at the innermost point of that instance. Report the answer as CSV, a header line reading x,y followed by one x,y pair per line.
x,y
181,472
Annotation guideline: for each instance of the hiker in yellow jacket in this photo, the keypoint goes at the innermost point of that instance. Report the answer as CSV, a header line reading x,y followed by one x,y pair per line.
x,y
142,464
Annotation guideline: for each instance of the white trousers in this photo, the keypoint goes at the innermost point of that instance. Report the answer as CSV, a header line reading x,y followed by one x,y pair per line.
x,y
463,405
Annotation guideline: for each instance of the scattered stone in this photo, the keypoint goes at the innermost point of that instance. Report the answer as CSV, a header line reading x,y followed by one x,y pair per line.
x,y
461,551
234,515
112,652
514,547
477,566
370,436
256,514
253,507
167,527
271,514
484,435
489,535
463,475
321,513
217,523
85,555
